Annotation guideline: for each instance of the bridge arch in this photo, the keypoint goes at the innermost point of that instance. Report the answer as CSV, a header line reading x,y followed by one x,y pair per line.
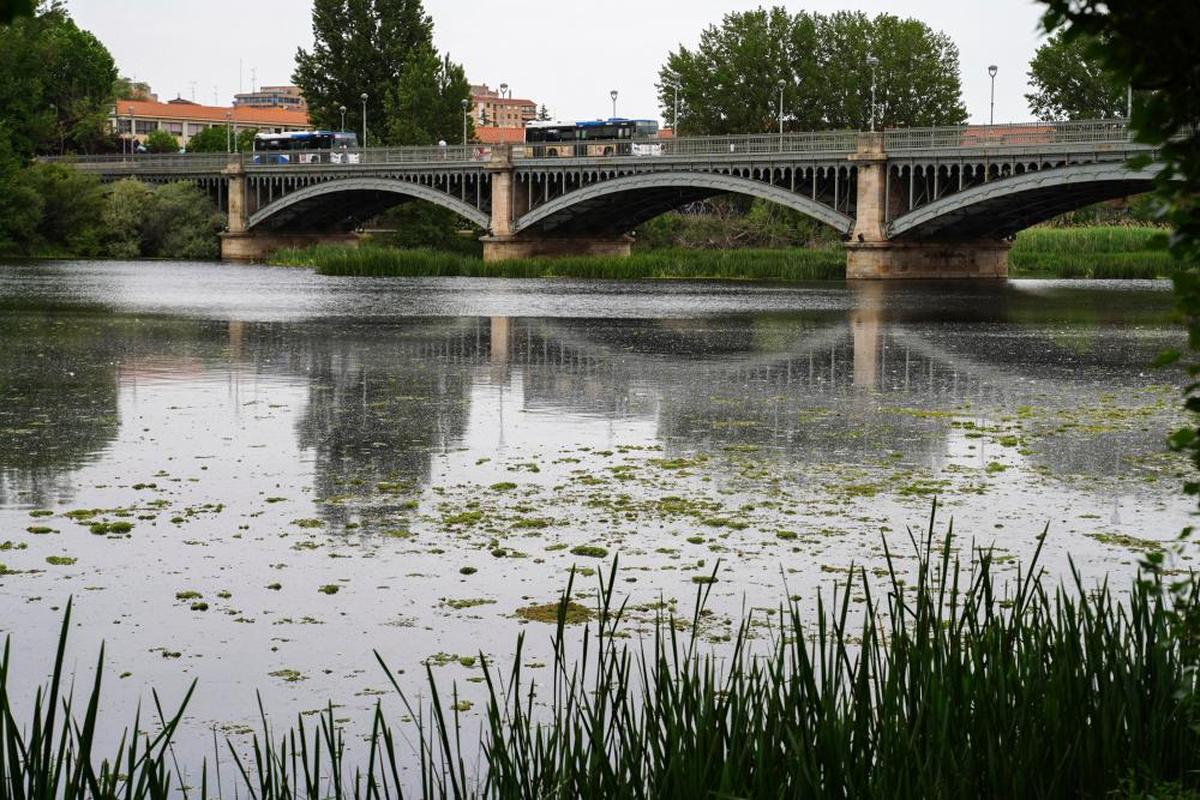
x,y
621,204
1011,203
310,207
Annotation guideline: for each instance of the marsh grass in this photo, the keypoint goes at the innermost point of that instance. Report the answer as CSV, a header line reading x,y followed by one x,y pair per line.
x,y
774,265
1104,252
953,681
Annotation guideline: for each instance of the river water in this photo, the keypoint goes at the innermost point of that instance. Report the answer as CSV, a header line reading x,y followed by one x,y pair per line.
x,y
257,476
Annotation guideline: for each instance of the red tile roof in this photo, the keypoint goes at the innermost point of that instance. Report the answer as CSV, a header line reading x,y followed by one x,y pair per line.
x,y
240,115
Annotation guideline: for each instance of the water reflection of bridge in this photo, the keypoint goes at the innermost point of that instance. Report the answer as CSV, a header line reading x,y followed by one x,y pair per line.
x,y
383,397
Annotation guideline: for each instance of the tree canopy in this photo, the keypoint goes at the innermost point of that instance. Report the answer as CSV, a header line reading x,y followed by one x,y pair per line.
x,y
1071,83
730,82
56,83
383,48
1151,44
217,139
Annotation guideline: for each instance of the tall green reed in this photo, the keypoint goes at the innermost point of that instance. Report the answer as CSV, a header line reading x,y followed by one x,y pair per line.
x,y
950,680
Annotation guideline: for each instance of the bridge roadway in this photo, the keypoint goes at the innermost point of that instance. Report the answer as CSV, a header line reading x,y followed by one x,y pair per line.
x,y
910,203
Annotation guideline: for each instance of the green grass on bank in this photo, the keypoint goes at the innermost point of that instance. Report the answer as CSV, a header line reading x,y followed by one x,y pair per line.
x,y
1112,252
952,680
783,265
1105,252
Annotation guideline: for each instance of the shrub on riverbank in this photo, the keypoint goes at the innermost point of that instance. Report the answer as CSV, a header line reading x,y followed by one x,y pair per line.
x,y
786,265
952,681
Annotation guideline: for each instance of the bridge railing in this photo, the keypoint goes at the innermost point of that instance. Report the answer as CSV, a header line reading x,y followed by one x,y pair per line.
x,y
817,142
170,162
1024,134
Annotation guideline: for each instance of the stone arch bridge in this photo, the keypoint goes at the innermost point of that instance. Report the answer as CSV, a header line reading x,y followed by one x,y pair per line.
x,y
938,202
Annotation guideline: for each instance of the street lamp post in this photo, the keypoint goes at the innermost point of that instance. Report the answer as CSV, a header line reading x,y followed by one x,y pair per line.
x,y
782,85
364,97
873,63
466,108
228,133
343,110
675,119
132,132
613,95
992,70
504,92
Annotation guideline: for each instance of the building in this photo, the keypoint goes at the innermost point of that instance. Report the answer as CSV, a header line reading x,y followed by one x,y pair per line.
x,y
288,97
493,109
183,119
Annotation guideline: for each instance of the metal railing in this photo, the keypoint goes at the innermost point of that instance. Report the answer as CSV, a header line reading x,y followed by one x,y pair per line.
x,y
1024,134
181,162
817,142
835,144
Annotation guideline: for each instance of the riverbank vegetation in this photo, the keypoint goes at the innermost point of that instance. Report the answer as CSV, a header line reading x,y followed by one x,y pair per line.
x,y
1113,252
65,213
933,678
742,264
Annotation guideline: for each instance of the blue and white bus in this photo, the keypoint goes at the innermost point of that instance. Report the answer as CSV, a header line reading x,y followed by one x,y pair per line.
x,y
306,147
601,137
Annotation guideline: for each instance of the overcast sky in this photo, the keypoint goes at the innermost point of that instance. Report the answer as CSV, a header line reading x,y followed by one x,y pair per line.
x,y
566,55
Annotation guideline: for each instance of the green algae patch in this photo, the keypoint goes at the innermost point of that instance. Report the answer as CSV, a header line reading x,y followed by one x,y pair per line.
x,y
40,530
704,579
503,486
1128,542
188,595
469,602
105,528
589,551
467,571
41,512
532,523
573,613
60,561
308,523
288,675
463,518
329,588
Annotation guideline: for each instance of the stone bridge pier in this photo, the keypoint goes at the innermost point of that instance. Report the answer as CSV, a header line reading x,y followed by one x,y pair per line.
x,y
872,254
503,242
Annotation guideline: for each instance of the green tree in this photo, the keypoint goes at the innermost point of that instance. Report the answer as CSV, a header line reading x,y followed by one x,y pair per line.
x,y
159,141
181,222
11,9
216,139
426,105
55,83
20,204
1071,83
128,203
543,114
729,83
358,46
72,210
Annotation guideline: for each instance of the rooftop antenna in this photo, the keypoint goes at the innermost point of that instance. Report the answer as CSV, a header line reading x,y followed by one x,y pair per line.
x,y
253,80
193,85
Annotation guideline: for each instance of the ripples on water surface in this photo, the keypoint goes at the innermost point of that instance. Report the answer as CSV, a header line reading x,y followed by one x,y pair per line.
x,y
268,432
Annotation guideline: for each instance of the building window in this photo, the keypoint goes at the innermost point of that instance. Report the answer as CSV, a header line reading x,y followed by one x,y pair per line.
x,y
143,126
194,128
123,126
175,128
